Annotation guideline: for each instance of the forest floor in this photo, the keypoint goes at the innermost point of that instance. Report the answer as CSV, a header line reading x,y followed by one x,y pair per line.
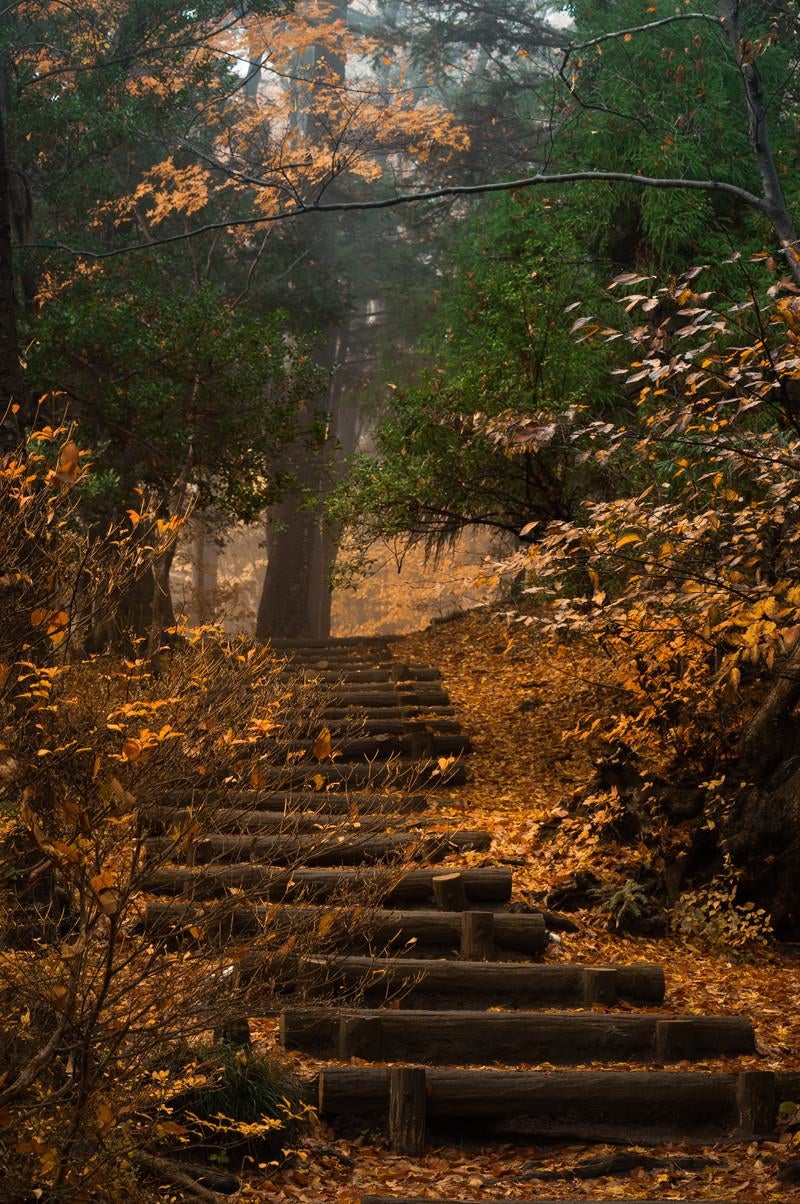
x,y
517,697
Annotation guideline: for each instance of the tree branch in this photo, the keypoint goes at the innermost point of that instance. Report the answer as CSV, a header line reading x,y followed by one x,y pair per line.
x,y
451,190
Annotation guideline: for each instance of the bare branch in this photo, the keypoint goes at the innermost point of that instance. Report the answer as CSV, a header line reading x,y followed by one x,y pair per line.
x,y
450,190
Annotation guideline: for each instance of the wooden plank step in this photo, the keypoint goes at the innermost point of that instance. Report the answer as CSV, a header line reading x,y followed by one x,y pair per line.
x,y
467,983
310,850
648,1106
412,744
356,803
453,1038
242,821
490,884
526,933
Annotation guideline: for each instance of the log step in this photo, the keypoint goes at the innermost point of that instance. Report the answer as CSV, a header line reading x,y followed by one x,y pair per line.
x,y
397,773
453,1038
380,696
491,884
647,1107
308,850
525,933
345,674
357,803
239,820
333,642
412,744
417,714
435,725
466,984
516,1200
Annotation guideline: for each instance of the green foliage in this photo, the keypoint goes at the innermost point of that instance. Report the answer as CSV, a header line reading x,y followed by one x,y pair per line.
x,y
248,1104
174,384
669,102
502,354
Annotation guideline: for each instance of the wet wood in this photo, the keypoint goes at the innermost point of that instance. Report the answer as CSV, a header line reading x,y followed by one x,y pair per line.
x,y
453,1038
477,984
491,884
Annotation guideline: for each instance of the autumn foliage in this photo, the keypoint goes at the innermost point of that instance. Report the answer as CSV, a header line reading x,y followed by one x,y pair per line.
x,y
115,1038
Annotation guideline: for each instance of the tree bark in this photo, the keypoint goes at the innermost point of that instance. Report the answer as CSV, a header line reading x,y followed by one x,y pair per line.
x,y
10,374
758,131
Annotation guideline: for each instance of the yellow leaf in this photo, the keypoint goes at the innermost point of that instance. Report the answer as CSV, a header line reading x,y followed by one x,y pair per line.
x,y
131,749
68,469
105,1118
326,922
322,745
628,539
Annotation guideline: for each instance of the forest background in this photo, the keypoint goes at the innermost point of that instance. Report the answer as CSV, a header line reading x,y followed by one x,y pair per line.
x,y
252,270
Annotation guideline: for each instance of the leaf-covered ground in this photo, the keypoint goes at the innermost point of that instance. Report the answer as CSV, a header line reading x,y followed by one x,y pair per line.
x,y
516,697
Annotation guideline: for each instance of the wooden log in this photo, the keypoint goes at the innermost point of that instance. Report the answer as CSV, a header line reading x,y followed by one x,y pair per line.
x,y
355,802
453,1038
756,1100
358,1035
504,1200
217,818
407,1108
490,884
309,850
332,642
464,984
435,725
449,892
576,1104
600,985
417,713
478,935
397,696
221,922
398,773
416,745
399,674
687,1038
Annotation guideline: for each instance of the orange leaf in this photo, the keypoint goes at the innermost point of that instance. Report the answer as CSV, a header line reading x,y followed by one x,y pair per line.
x,y
322,745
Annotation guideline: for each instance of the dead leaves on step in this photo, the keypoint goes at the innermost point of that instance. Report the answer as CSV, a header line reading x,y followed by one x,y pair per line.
x,y
516,697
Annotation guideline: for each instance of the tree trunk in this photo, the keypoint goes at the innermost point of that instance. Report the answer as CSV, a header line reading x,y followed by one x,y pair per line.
x,y
10,375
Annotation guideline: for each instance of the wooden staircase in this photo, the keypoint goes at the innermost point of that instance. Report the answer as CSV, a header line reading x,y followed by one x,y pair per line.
x,y
456,1066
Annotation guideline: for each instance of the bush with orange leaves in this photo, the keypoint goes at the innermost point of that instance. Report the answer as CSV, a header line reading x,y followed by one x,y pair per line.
x,y
688,578
108,1019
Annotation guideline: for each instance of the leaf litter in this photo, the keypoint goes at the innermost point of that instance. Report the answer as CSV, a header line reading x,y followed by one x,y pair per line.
x,y
516,697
